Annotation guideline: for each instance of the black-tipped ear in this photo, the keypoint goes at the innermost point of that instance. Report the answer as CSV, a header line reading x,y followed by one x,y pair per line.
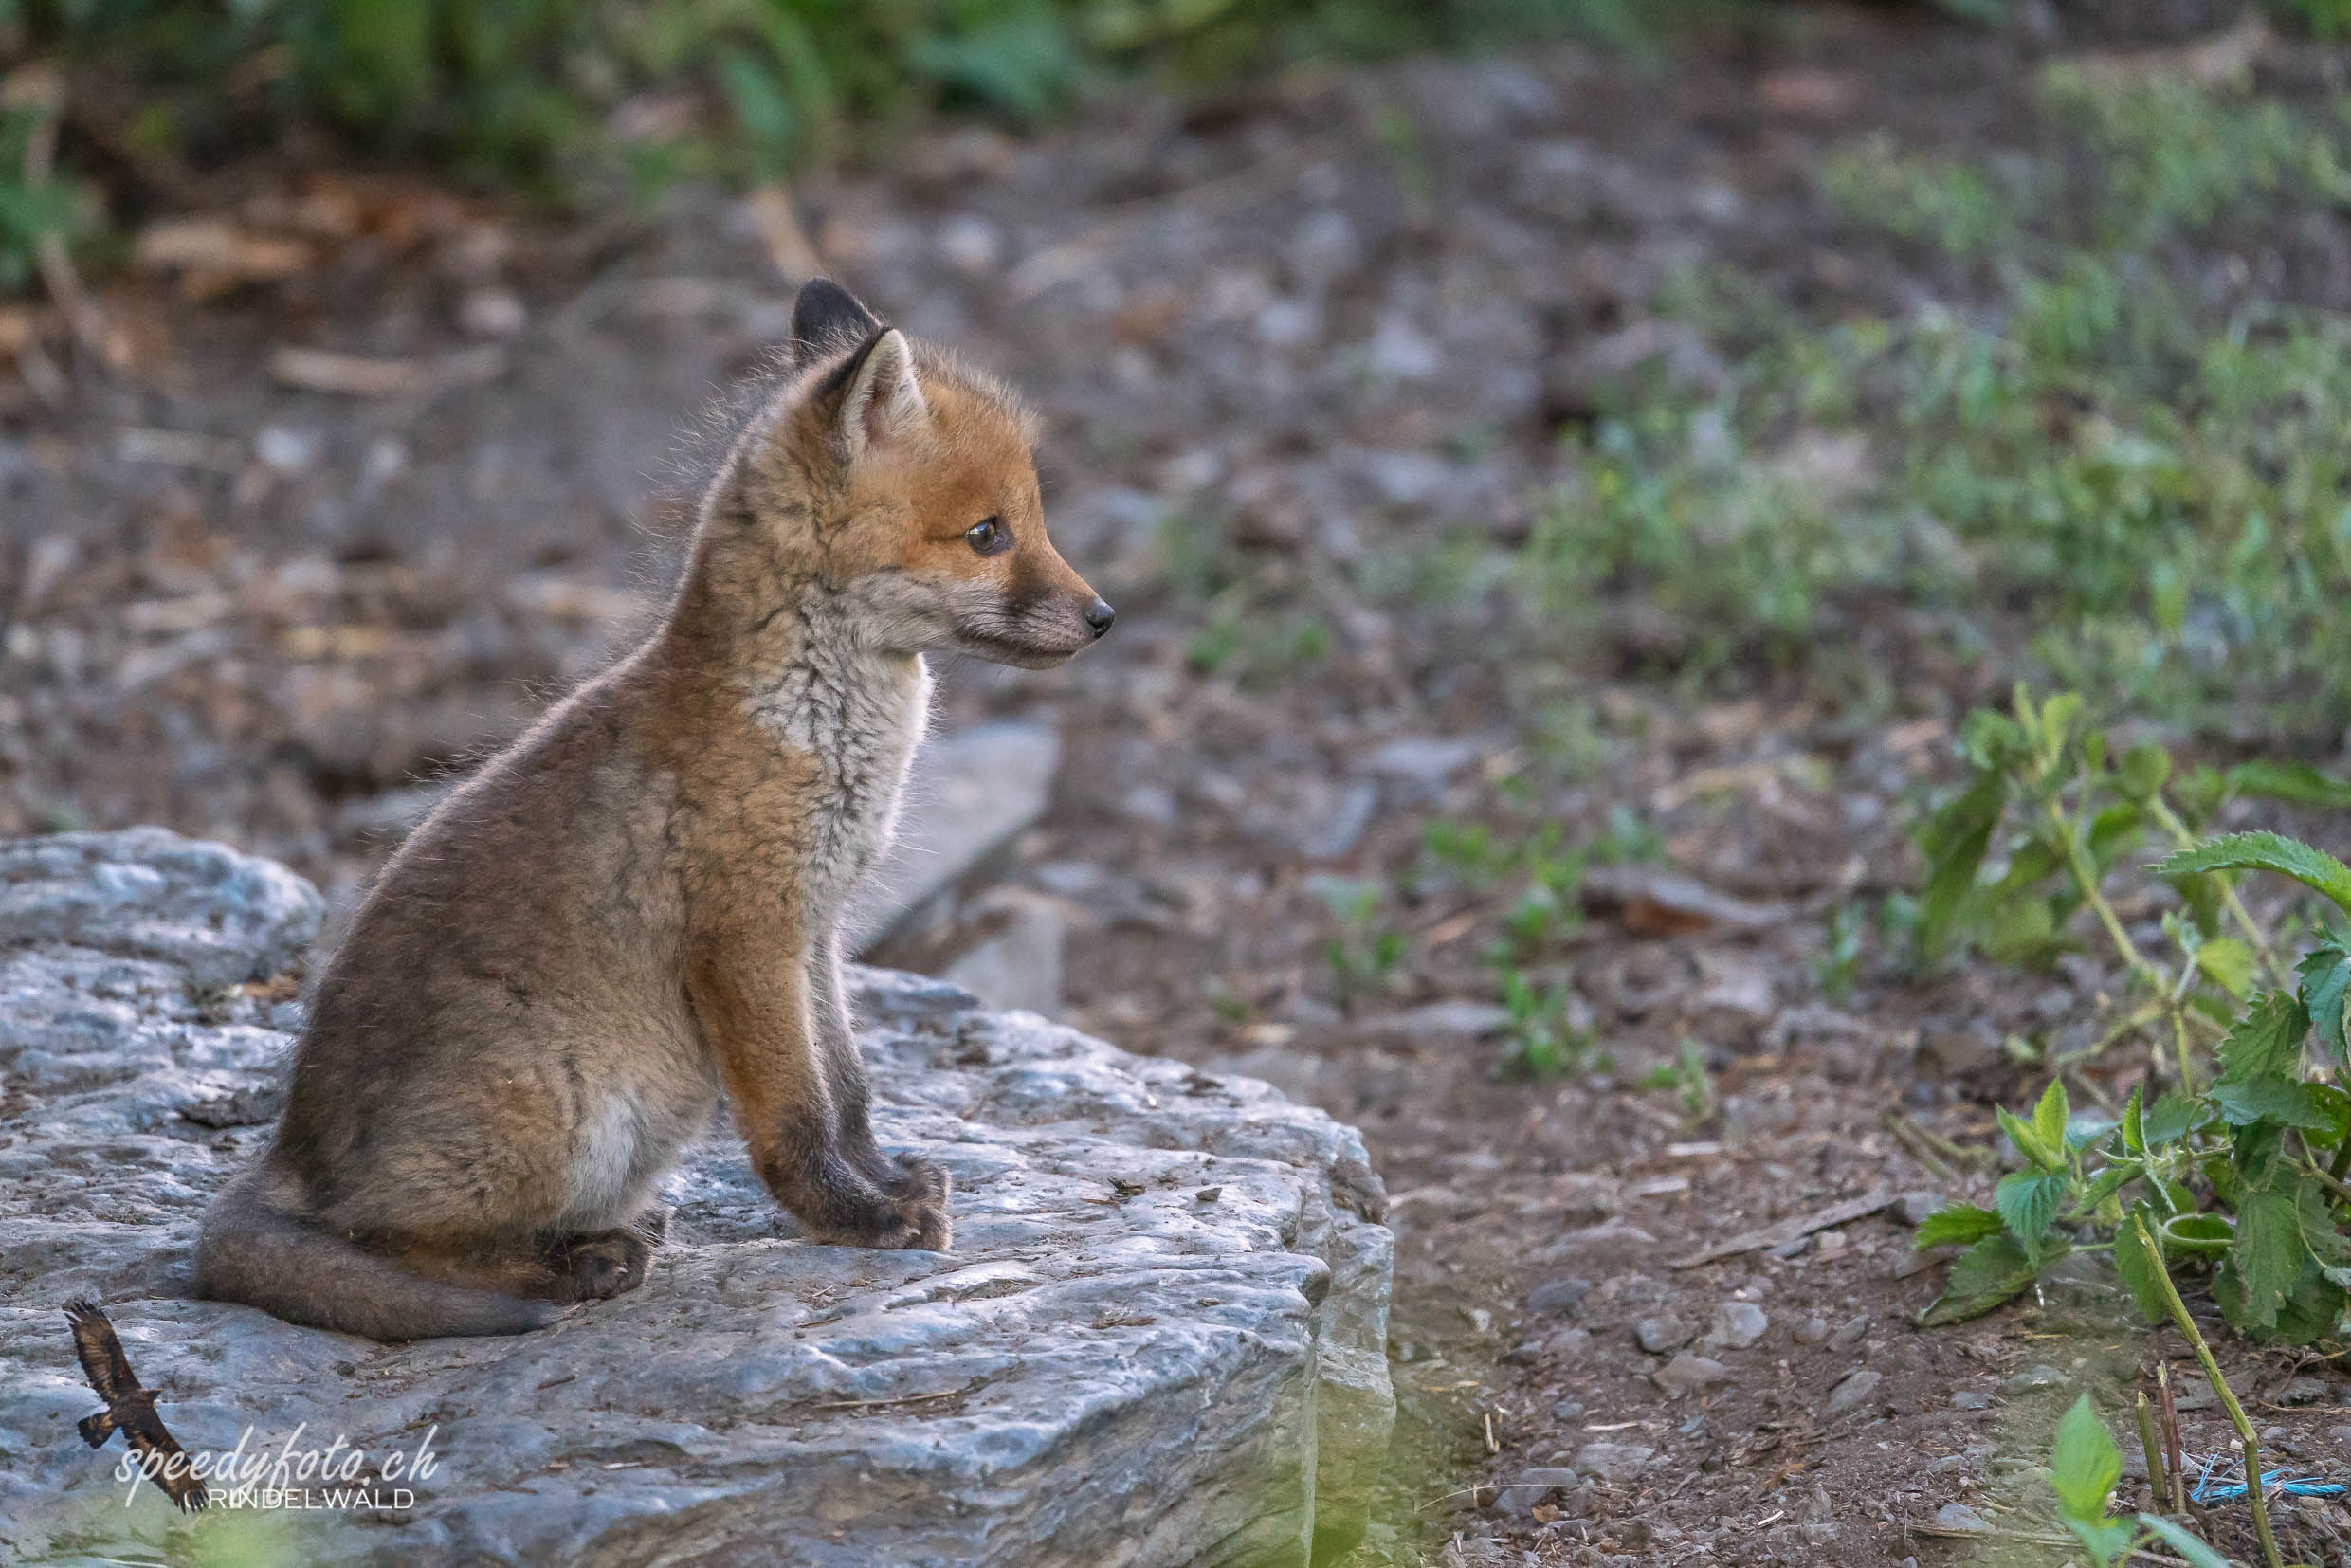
x,y
826,316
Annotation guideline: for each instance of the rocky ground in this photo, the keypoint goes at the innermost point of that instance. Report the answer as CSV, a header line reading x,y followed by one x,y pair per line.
x,y
374,468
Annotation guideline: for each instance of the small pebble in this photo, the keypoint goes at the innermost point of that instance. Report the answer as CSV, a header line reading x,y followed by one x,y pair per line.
x,y
1207,1194
1688,1374
1971,1398
1853,1391
1661,1334
1849,1333
1960,1517
1559,1297
1736,1325
1519,1497
2031,1378
1811,1331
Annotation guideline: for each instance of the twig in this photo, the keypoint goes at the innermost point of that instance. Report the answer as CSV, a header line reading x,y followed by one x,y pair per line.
x,y
2246,1438
1783,1232
1924,1152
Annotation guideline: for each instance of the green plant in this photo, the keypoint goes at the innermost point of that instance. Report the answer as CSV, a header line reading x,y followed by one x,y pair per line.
x,y
1365,954
1838,968
2241,1170
2084,1467
1542,1043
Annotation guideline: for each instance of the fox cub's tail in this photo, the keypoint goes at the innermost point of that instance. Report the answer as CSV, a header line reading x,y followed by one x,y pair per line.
x,y
253,1251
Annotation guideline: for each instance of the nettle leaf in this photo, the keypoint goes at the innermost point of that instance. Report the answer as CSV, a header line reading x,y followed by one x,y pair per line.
x,y
2027,1143
2050,1115
2229,964
2265,851
2296,782
1983,1277
2266,1258
2270,1098
1959,1222
2085,1463
2139,1263
2267,1041
2134,1124
2311,1308
2171,1118
2335,1105
1953,841
2029,1201
2325,971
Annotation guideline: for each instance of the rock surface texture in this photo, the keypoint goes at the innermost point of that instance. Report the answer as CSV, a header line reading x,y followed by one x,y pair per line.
x,y
1160,1339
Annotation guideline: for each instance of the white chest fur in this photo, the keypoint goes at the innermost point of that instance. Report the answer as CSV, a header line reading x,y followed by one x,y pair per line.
x,y
859,714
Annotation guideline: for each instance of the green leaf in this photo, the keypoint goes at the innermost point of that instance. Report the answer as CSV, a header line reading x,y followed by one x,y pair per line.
x,y
2050,1116
2267,1041
2276,1099
2265,851
2171,1119
2139,1266
2267,1257
1985,1275
2325,971
2029,1200
2297,783
2178,1540
2143,771
2085,1463
2229,964
2134,1123
1953,841
2027,1143
1959,1221
2107,1540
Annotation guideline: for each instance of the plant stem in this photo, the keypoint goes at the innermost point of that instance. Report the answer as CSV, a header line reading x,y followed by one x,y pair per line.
x,y
2172,1459
2222,1391
2151,1447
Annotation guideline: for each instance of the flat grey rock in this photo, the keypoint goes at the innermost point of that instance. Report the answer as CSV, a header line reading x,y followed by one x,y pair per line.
x,y
1101,1372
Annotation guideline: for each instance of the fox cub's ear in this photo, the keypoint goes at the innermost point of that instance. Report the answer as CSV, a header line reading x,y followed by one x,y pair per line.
x,y
826,316
874,401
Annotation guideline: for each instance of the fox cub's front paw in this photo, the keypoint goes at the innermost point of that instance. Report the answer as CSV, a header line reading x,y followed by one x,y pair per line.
x,y
919,1189
878,1202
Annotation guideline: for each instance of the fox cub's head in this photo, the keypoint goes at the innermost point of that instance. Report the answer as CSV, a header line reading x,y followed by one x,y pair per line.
x,y
914,478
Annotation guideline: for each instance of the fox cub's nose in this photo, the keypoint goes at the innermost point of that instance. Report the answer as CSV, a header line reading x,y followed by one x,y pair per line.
x,y
1099,615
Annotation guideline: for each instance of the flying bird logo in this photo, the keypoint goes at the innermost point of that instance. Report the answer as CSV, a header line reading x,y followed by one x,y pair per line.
x,y
130,1406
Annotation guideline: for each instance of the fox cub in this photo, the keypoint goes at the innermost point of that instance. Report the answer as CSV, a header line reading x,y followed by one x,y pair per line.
x,y
633,908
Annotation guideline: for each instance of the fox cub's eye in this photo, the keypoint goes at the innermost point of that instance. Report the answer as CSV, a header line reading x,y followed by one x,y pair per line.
x,y
988,535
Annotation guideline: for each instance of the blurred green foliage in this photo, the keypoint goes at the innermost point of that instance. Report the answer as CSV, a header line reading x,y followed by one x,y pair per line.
x,y
517,88
2130,461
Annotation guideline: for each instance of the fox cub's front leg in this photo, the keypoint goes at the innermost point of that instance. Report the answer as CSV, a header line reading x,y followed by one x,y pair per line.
x,y
811,1146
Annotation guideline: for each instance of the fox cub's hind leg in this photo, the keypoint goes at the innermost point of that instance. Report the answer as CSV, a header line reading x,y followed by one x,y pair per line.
x,y
594,1266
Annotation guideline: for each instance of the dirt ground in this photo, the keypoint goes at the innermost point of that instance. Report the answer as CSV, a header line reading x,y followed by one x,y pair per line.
x,y
258,589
